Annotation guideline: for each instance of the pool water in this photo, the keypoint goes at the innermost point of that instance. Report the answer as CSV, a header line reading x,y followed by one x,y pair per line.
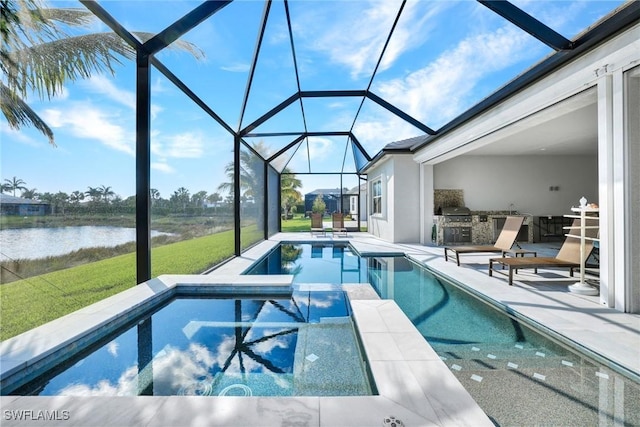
x,y
517,375
302,345
314,263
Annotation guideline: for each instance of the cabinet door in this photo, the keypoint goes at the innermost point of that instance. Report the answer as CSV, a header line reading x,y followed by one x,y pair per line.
x,y
465,234
449,235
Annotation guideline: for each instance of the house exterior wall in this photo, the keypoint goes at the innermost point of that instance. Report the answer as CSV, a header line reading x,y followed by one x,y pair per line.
x,y
399,220
406,201
380,224
523,181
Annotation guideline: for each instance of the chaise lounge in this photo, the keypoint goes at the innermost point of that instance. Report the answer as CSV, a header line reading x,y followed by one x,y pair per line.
x,y
316,224
338,224
505,240
567,257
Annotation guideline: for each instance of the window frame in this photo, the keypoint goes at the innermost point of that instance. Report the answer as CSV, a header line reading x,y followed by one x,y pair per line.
x,y
377,200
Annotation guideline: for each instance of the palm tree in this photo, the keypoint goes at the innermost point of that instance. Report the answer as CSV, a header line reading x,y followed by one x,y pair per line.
x,y
76,197
94,193
60,200
38,55
214,198
199,198
289,194
251,175
30,193
14,184
181,198
154,194
106,193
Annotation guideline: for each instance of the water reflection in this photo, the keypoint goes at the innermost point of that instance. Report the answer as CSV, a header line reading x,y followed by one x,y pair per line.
x,y
207,346
34,243
313,263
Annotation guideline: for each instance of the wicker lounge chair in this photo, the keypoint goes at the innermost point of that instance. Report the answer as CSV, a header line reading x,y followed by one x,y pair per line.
x,y
567,257
337,220
316,224
505,240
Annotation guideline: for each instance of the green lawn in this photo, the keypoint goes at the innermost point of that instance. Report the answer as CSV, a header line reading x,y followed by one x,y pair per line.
x,y
28,303
298,223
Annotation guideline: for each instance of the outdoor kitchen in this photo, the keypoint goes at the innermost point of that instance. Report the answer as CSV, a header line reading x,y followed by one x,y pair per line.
x,y
456,224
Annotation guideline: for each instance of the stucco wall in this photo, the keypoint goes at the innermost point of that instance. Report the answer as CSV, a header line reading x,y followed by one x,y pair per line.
x,y
407,201
400,218
380,224
494,183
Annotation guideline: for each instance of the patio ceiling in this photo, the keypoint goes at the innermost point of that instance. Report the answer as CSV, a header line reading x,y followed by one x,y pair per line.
x,y
324,86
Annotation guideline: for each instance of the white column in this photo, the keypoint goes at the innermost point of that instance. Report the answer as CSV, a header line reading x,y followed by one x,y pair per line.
x,y
631,82
605,188
426,203
617,292
618,162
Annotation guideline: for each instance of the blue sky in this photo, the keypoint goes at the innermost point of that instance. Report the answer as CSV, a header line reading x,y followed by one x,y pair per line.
x,y
444,57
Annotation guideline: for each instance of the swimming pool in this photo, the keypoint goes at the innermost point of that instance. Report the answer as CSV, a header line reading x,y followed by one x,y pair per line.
x,y
517,375
222,345
314,262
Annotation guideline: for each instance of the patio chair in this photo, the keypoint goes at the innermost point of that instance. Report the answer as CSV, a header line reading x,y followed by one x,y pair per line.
x,y
338,227
505,240
316,224
567,257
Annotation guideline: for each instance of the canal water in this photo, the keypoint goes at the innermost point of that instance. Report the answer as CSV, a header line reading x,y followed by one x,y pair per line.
x,y
34,243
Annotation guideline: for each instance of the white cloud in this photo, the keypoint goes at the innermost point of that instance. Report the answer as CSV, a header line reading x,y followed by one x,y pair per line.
x,y
158,87
183,145
112,348
162,166
377,130
21,136
104,86
353,36
413,29
440,91
320,148
236,67
348,35
86,121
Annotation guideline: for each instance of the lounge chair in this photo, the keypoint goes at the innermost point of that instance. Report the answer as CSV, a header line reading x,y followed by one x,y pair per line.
x,y
338,227
505,240
316,224
567,257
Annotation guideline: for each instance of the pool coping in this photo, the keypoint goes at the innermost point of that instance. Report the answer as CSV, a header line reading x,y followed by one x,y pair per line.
x,y
413,383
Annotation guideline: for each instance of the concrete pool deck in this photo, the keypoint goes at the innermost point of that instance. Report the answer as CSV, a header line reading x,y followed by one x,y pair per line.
x,y
414,385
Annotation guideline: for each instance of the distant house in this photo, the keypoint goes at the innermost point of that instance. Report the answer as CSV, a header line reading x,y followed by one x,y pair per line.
x,y
358,202
335,200
11,205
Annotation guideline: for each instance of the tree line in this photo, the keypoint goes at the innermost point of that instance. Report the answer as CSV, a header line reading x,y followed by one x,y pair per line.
x,y
103,199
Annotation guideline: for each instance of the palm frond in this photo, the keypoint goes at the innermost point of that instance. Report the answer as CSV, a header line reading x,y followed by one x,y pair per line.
x,y
45,67
39,56
19,114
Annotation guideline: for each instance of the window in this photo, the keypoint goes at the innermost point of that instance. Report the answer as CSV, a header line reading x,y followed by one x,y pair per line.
x,y
377,196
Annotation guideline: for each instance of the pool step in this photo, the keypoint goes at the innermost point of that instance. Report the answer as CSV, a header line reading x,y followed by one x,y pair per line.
x,y
499,356
328,360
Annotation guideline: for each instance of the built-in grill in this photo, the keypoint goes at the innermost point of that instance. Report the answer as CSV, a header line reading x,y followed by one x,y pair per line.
x,y
457,225
457,214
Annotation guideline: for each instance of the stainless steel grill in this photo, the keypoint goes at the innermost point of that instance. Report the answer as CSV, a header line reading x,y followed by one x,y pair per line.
x,y
457,214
